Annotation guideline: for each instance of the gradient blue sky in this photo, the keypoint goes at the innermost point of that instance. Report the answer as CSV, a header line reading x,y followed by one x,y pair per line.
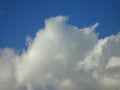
x,y
19,18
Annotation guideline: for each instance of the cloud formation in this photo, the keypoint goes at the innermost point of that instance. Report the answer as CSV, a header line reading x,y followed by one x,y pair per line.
x,y
63,57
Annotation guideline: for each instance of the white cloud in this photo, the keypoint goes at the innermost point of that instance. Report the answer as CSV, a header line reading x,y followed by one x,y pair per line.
x,y
63,57
29,41
7,70
113,62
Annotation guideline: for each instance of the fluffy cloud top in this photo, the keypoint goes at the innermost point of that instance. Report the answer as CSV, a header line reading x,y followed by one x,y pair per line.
x,y
63,57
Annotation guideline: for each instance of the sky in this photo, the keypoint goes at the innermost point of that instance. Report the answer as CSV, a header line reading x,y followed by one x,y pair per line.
x,y
59,45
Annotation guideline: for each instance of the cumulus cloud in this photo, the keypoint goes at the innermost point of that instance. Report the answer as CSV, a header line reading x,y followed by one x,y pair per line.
x,y
63,57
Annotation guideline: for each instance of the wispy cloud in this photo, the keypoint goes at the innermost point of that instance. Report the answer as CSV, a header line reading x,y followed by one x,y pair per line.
x,y
63,57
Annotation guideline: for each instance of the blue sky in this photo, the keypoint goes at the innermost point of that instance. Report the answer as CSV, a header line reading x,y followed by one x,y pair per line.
x,y
19,18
